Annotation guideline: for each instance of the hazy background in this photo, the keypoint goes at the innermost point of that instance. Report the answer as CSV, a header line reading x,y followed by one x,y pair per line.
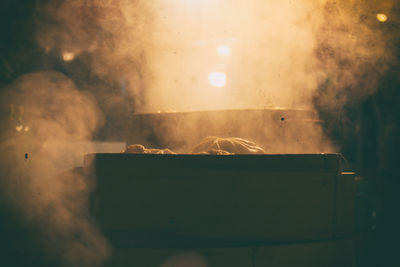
x,y
72,72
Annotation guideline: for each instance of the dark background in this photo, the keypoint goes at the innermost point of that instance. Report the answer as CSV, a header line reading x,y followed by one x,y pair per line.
x,y
367,131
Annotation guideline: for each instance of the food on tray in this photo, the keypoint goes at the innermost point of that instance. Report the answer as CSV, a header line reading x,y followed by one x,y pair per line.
x,y
224,146
140,149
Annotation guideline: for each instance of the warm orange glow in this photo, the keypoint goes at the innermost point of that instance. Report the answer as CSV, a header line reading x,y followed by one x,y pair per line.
x,y
250,43
381,17
217,79
68,56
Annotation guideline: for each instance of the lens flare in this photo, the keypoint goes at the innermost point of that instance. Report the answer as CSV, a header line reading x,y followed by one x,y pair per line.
x,y
381,17
68,56
217,79
19,128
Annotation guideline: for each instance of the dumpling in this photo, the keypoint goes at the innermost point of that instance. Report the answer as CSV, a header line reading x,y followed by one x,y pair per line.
x,y
140,149
223,146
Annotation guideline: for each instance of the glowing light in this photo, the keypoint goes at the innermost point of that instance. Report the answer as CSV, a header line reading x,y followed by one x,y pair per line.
x,y
223,50
381,17
217,79
68,56
26,129
19,128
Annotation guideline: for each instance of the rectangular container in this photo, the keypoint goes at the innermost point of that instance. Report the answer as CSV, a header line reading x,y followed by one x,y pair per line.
x,y
220,201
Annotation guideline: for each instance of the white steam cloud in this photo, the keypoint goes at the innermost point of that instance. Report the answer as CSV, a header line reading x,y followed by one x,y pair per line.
x,y
292,54
280,52
57,118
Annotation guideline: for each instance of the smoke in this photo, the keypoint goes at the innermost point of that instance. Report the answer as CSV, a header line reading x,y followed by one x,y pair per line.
x,y
49,119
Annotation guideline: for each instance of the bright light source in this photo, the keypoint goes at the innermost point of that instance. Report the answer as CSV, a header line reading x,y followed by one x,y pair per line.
x,y
223,50
217,79
68,56
381,17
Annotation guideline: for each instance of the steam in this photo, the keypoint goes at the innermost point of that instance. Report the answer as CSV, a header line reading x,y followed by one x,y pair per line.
x,y
166,50
114,33
37,165
270,47
280,52
352,52
290,54
262,54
